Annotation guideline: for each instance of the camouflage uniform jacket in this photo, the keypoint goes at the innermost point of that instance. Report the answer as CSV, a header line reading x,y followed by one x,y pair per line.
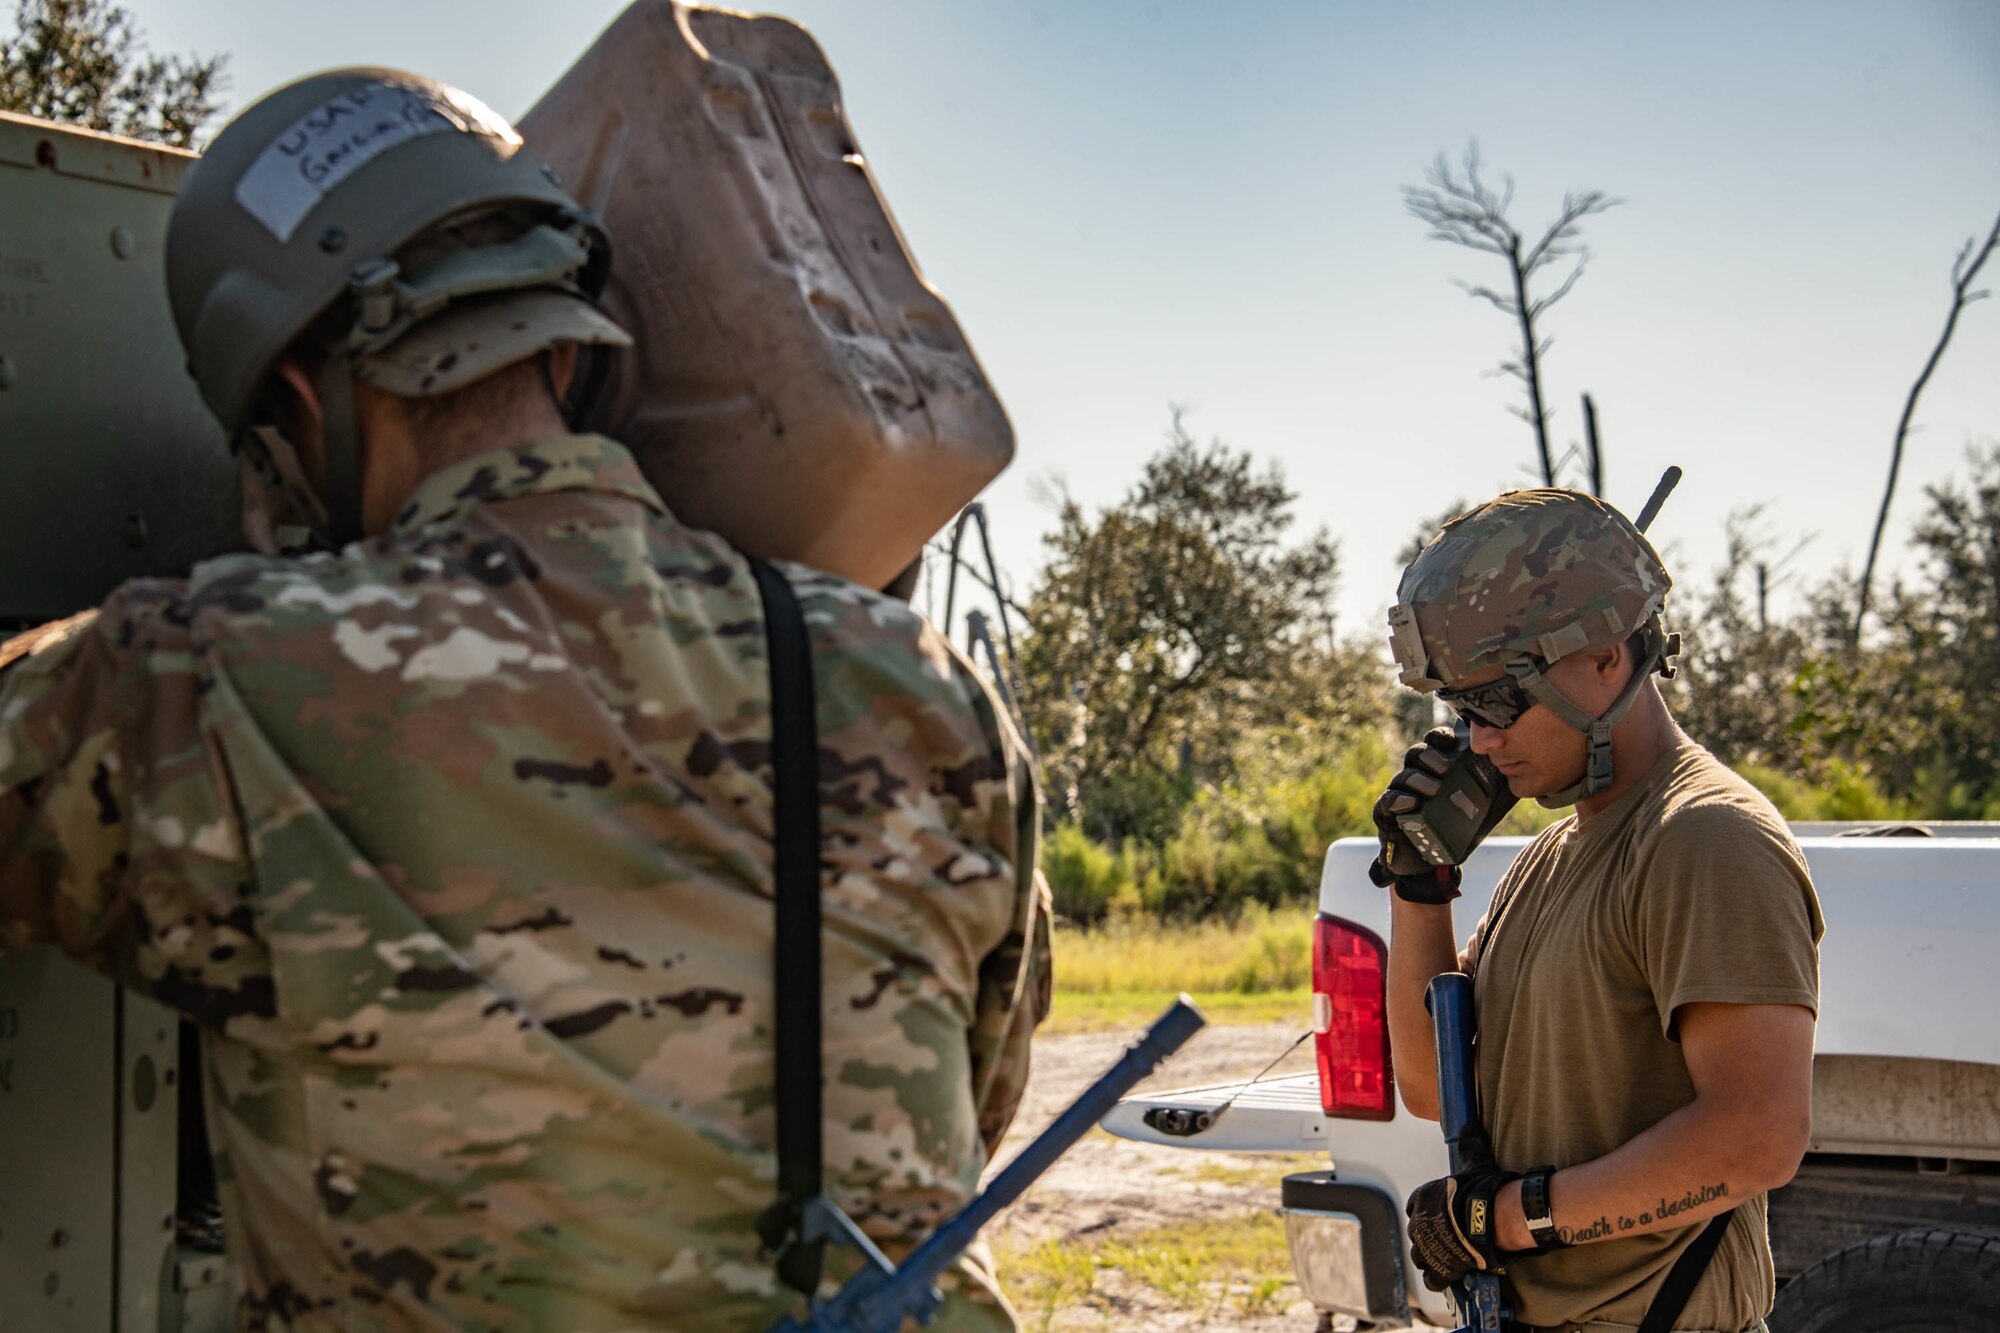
x,y
458,846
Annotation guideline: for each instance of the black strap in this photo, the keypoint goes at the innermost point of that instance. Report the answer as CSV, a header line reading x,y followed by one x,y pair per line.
x,y
340,436
1673,1295
795,805
1494,911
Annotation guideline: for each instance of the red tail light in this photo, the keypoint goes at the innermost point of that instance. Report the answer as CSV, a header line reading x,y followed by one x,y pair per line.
x,y
1351,1021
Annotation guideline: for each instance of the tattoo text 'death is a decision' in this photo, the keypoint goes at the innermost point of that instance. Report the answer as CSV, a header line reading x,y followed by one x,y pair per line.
x,y
1604,1227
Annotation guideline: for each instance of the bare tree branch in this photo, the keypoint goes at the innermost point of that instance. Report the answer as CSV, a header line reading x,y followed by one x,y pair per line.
x,y
1564,229
1461,208
1963,270
1503,303
1544,302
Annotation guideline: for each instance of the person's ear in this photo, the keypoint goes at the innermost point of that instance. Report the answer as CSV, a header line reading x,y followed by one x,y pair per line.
x,y
1610,662
562,369
303,391
297,414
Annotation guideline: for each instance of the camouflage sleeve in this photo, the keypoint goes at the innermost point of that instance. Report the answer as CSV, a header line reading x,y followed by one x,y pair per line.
x,y
1016,979
116,841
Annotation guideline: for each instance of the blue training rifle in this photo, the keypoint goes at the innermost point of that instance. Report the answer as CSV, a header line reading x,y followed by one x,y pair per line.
x,y
882,1295
1449,998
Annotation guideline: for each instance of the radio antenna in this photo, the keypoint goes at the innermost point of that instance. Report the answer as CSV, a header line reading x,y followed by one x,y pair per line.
x,y
1668,480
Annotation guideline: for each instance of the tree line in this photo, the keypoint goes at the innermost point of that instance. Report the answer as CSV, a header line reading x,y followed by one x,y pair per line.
x,y
1205,733
85,62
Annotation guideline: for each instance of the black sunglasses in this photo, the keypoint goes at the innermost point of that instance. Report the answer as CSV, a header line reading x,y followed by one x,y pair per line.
x,y
1497,704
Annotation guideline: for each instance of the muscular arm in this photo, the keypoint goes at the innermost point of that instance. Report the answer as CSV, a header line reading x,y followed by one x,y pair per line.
x,y
1743,1133
1014,993
62,831
117,840
1016,981
1420,946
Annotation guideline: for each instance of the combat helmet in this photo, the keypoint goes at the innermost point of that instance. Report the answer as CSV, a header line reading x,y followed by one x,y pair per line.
x,y
294,221
1522,582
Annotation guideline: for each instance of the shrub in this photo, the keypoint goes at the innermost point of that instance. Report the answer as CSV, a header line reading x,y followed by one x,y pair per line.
x,y
1793,795
1086,879
1278,952
1837,790
1255,953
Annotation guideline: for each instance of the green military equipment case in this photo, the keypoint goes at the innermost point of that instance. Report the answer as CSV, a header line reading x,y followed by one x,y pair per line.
x,y
110,468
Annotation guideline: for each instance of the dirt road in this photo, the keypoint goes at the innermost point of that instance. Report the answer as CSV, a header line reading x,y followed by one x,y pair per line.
x,y
1108,1189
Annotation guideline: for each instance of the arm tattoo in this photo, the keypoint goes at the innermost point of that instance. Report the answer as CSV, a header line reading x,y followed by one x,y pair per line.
x,y
1604,1228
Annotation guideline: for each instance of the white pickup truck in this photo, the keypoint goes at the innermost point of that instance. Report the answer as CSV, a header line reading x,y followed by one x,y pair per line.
x,y
1893,1221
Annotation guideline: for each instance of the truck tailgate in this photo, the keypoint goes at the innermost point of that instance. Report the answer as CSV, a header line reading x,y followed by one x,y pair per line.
x,y
1267,1115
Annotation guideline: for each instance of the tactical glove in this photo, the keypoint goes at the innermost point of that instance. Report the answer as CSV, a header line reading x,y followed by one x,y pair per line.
x,y
1453,1227
1400,864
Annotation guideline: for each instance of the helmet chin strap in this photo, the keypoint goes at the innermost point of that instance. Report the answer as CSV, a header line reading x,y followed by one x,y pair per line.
x,y
1596,775
341,433
299,525
328,517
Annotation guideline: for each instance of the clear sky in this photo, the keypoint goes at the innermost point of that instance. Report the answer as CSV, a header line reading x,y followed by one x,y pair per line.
x,y
1133,204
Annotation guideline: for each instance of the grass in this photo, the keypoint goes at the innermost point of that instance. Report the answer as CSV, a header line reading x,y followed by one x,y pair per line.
x,y
1223,1265
1258,1173
1254,969
1120,1011
1045,1278
1258,952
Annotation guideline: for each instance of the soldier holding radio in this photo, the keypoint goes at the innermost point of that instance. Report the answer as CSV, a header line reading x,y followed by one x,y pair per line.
x,y
1646,979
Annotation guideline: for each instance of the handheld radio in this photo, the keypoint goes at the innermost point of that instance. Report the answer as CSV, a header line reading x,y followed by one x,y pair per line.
x,y
1472,797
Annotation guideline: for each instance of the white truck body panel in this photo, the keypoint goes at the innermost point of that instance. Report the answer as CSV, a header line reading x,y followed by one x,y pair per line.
x,y
1912,934
1271,1115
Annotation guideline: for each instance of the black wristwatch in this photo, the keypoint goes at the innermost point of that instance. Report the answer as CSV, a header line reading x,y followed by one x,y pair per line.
x,y
1535,1207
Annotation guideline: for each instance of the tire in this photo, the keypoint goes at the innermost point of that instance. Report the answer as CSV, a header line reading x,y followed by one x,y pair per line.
x,y
1926,1281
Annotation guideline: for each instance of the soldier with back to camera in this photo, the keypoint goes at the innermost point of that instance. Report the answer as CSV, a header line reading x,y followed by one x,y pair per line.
x,y
456,836
1646,979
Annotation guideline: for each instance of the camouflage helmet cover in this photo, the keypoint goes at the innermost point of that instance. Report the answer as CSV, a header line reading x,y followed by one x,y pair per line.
x,y
322,182
1535,573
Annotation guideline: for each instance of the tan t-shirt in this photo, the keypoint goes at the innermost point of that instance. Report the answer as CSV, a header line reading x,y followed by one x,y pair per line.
x,y
1686,888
